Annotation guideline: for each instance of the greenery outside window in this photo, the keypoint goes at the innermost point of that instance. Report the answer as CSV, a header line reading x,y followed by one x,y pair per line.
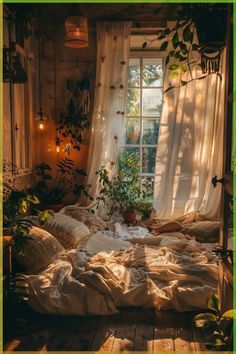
x,y
143,112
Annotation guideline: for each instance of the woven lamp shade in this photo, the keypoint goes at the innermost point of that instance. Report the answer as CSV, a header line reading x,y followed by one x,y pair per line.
x,y
76,28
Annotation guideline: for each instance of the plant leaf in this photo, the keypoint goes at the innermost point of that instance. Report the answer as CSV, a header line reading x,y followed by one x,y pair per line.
x,y
183,68
187,34
173,67
167,31
195,46
164,46
175,40
168,89
173,75
183,83
167,59
214,303
229,315
203,319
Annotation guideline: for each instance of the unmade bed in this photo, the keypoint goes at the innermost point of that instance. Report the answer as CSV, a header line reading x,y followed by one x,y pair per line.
x,y
105,271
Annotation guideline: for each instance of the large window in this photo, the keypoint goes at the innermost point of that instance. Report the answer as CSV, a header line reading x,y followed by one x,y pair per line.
x,y
143,111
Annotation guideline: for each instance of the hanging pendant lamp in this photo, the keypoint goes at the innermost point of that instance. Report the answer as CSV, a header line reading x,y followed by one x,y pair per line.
x,y
40,116
76,29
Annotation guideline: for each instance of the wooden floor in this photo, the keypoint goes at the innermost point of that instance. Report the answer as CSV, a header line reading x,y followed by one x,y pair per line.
x,y
131,330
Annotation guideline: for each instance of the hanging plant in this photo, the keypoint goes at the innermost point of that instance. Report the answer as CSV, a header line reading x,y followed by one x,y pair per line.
x,y
75,121
207,22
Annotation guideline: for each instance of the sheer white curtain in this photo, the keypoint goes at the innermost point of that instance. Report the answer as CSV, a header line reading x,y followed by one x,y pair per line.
x,y
190,148
111,80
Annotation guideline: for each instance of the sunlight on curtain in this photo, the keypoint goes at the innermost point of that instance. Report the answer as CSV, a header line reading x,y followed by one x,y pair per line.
x,y
113,40
190,148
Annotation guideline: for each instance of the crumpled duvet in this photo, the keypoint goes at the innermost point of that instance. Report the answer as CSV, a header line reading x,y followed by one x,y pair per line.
x,y
180,275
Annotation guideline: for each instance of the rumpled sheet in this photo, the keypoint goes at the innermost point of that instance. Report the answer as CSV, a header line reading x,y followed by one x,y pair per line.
x,y
178,274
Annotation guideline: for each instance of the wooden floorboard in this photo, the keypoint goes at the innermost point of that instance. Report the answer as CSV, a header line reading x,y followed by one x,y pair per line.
x,y
133,329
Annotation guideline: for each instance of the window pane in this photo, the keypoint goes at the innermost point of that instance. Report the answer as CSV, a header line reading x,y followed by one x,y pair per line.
x,y
132,152
132,131
148,159
133,102
152,102
134,73
147,185
152,72
150,131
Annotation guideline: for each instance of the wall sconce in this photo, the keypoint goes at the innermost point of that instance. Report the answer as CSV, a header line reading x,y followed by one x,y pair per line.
x,y
76,27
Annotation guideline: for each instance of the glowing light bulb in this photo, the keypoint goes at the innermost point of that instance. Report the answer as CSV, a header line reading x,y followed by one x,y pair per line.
x,y
41,125
57,148
77,31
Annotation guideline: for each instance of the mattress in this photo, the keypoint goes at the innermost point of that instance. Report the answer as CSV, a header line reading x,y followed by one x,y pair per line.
x,y
107,273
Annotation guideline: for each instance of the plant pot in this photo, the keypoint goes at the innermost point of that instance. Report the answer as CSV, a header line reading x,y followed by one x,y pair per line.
x,y
54,207
129,216
211,26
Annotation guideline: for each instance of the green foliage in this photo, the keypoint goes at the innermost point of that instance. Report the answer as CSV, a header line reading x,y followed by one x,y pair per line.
x,y
219,324
122,192
145,207
53,189
75,121
17,205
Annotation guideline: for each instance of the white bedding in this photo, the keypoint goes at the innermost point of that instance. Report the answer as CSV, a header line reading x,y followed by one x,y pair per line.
x,y
178,274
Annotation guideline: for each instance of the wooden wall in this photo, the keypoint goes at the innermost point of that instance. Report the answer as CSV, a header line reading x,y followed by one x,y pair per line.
x,y
59,63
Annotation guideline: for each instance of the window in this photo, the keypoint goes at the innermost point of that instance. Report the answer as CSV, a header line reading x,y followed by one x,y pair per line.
x,y
143,112
19,100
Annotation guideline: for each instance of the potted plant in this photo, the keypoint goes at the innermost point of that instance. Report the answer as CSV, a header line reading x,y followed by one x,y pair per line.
x,y
217,325
51,189
121,193
17,205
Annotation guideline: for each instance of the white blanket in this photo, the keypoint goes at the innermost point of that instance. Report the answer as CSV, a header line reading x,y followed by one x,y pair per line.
x,y
178,274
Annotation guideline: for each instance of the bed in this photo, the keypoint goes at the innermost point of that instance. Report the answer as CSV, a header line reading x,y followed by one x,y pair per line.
x,y
101,270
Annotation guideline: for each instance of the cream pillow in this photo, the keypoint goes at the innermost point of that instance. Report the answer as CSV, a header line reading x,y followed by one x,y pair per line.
x,y
93,222
99,242
67,230
40,250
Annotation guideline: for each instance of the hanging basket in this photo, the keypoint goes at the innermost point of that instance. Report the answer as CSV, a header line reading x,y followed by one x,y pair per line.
x,y
76,28
211,26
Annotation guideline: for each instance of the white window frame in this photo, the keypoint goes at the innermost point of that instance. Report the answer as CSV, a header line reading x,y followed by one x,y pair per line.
x,y
145,54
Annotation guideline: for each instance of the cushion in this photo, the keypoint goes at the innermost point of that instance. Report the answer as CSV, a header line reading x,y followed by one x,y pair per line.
x,y
99,242
41,250
67,230
204,231
93,222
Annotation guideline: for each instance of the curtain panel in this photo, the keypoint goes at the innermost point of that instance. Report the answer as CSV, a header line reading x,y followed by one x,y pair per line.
x,y
190,148
113,43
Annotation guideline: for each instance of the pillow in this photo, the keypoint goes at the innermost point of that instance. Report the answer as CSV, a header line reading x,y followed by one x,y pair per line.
x,y
67,230
99,242
93,222
204,231
41,250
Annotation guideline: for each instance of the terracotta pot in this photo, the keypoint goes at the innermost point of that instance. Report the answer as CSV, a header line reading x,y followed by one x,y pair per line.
x,y
130,216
